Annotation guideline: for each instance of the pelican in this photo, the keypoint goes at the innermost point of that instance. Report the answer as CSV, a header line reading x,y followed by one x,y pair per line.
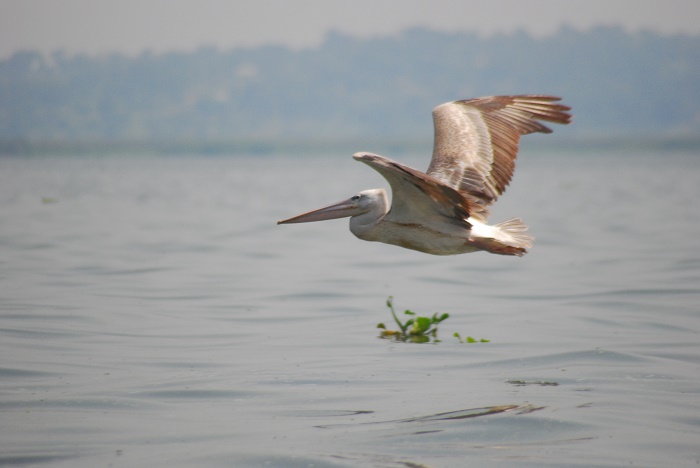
x,y
444,210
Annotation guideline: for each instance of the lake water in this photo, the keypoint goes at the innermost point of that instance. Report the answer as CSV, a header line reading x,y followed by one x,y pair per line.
x,y
153,314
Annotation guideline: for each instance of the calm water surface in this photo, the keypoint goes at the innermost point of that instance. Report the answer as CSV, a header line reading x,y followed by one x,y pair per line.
x,y
153,314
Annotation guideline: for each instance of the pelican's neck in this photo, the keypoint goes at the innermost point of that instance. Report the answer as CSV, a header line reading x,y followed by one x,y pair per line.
x,y
363,224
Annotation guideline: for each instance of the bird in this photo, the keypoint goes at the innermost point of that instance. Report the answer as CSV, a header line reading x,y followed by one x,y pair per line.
x,y
444,210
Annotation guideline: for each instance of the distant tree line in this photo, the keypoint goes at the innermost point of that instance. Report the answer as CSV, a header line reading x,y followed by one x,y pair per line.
x,y
619,83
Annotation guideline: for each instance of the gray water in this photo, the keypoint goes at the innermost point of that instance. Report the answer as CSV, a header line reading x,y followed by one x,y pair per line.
x,y
153,314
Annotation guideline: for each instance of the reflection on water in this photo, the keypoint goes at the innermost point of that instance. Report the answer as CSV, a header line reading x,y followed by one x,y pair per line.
x,y
450,415
152,313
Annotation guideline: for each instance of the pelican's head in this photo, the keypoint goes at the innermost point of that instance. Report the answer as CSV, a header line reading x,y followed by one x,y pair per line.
x,y
368,201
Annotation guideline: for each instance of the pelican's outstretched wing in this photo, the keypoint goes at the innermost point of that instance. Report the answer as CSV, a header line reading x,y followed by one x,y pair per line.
x,y
417,196
476,142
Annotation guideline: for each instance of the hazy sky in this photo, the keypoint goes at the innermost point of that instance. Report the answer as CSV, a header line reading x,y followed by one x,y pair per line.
x,y
130,26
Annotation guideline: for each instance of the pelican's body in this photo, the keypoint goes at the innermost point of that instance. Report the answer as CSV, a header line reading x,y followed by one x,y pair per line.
x,y
444,211
438,237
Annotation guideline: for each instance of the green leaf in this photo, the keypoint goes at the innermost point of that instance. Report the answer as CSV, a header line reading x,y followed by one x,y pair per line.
x,y
470,340
382,326
421,325
419,339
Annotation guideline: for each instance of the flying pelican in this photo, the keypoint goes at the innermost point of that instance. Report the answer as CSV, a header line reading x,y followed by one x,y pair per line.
x,y
444,211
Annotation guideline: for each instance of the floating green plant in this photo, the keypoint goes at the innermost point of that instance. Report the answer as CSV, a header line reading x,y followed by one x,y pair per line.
x,y
469,339
418,329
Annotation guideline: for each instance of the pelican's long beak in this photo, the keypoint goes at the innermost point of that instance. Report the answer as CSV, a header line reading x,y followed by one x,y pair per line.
x,y
341,209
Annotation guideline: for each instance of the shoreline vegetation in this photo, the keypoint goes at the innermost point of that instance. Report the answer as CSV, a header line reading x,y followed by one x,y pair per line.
x,y
627,90
216,147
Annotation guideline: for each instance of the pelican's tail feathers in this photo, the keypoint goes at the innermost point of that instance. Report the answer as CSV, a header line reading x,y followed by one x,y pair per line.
x,y
512,234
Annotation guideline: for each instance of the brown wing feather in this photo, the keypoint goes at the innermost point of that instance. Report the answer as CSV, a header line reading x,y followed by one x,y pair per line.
x,y
417,195
476,142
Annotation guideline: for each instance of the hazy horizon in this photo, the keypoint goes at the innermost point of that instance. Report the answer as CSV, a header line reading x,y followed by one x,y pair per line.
x,y
97,27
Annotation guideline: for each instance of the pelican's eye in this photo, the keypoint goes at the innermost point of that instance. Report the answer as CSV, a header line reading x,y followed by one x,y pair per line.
x,y
355,198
